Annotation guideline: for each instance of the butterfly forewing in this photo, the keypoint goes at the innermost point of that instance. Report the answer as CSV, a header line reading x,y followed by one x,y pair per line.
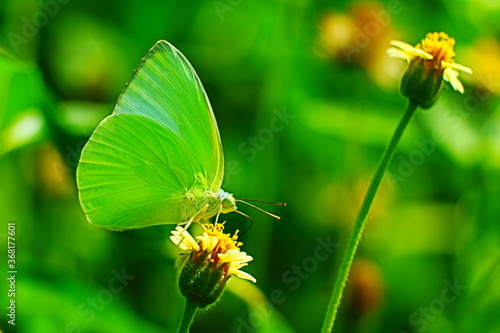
x,y
166,88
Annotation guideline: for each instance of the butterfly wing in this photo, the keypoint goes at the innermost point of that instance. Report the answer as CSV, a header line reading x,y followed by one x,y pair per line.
x,y
161,142
166,88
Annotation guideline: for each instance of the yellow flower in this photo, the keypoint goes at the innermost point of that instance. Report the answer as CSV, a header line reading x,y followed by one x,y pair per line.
x,y
434,52
209,261
430,62
219,251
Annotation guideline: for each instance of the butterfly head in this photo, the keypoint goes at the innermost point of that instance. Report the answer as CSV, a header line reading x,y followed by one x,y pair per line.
x,y
228,203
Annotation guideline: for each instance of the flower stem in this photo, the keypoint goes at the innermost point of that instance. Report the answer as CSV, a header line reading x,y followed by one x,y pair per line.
x,y
360,221
188,316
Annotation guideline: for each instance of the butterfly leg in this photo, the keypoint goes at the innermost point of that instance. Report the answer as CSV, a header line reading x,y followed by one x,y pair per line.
x,y
218,214
194,218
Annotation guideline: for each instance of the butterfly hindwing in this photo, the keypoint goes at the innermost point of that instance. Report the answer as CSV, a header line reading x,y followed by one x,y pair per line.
x,y
126,178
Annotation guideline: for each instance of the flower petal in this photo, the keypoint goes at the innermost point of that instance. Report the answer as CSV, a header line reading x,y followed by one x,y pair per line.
x,y
398,54
451,76
242,275
412,51
182,238
456,66
208,242
402,45
235,256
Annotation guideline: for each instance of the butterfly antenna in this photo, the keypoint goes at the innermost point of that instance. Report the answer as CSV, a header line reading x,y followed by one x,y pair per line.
x,y
245,215
259,209
262,201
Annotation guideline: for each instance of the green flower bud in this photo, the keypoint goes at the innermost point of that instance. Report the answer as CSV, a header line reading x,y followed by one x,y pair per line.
x,y
200,282
421,83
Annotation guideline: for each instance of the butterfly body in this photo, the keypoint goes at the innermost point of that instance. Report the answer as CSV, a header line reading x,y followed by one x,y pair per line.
x,y
210,204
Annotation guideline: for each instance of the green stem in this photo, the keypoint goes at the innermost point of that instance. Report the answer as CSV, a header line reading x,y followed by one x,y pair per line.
x,y
360,221
188,316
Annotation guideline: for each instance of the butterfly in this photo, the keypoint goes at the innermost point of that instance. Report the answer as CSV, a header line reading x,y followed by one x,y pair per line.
x,y
157,159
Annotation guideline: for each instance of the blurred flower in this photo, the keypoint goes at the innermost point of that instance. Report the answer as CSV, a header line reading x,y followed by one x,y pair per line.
x,y
336,33
486,56
429,62
212,258
359,37
366,291
53,173
349,193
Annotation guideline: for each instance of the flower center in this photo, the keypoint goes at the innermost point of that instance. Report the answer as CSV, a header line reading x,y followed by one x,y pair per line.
x,y
225,241
439,45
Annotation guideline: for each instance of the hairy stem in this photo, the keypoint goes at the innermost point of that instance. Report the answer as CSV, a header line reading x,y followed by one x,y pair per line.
x,y
352,245
188,316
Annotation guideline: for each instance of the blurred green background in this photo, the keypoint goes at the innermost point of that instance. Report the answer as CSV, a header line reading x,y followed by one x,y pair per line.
x,y
306,99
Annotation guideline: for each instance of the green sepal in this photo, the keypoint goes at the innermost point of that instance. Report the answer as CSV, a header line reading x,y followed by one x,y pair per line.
x,y
421,83
200,282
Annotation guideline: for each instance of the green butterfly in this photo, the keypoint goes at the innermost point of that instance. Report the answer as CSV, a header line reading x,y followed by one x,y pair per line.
x,y
158,158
